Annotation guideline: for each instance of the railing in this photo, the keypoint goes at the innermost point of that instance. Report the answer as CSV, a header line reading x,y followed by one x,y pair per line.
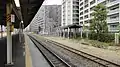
x,y
112,20
113,11
112,3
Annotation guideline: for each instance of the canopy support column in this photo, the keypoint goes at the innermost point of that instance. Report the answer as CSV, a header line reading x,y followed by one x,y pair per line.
x,y
1,31
81,32
9,36
64,33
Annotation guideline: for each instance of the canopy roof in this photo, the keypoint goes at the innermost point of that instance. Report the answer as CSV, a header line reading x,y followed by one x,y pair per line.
x,y
29,8
26,12
72,26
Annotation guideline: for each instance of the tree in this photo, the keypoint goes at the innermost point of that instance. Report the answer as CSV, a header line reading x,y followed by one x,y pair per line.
x,y
98,23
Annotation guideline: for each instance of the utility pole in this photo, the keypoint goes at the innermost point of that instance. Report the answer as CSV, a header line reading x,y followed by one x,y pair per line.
x,y
9,36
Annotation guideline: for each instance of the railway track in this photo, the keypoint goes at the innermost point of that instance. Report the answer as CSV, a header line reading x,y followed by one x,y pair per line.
x,y
53,59
100,61
74,53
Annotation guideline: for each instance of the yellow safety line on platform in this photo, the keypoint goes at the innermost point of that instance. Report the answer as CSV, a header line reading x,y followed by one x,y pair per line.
x,y
28,60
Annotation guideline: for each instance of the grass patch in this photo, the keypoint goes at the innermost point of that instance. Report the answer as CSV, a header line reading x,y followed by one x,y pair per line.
x,y
98,44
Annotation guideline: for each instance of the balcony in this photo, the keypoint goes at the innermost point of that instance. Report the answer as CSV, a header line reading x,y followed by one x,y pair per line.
x,y
76,3
77,9
113,11
75,13
112,20
76,0
112,3
113,29
75,17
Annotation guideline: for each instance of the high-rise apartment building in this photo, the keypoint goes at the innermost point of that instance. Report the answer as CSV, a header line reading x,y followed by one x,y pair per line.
x,y
71,11
113,19
38,22
47,19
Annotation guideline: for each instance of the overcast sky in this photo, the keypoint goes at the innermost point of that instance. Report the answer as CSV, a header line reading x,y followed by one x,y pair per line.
x,y
46,2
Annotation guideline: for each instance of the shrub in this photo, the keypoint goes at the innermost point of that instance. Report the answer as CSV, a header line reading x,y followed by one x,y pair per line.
x,y
92,36
84,35
104,37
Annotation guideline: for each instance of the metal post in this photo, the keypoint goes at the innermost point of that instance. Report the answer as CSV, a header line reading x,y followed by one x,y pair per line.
x,y
9,36
20,32
81,31
64,33
68,32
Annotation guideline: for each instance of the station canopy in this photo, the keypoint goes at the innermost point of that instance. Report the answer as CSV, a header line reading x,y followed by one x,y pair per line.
x,y
25,13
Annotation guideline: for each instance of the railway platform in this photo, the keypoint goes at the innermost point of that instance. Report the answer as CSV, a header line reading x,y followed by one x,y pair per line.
x,y
17,52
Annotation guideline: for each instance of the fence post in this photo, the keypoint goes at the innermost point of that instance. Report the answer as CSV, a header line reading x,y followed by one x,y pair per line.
x,y
116,38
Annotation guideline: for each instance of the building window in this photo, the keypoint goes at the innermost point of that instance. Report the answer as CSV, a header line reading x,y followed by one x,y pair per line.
x,y
92,8
81,13
86,22
92,2
81,22
86,2
86,6
86,11
81,4
86,16
81,8
81,18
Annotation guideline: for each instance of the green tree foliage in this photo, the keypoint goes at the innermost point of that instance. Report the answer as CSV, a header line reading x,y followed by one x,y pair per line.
x,y
98,23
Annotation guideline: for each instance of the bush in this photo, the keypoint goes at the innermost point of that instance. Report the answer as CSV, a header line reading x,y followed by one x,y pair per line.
x,y
104,37
92,36
84,35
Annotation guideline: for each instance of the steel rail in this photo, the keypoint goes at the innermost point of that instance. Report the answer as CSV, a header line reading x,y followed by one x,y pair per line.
x,y
53,64
86,55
